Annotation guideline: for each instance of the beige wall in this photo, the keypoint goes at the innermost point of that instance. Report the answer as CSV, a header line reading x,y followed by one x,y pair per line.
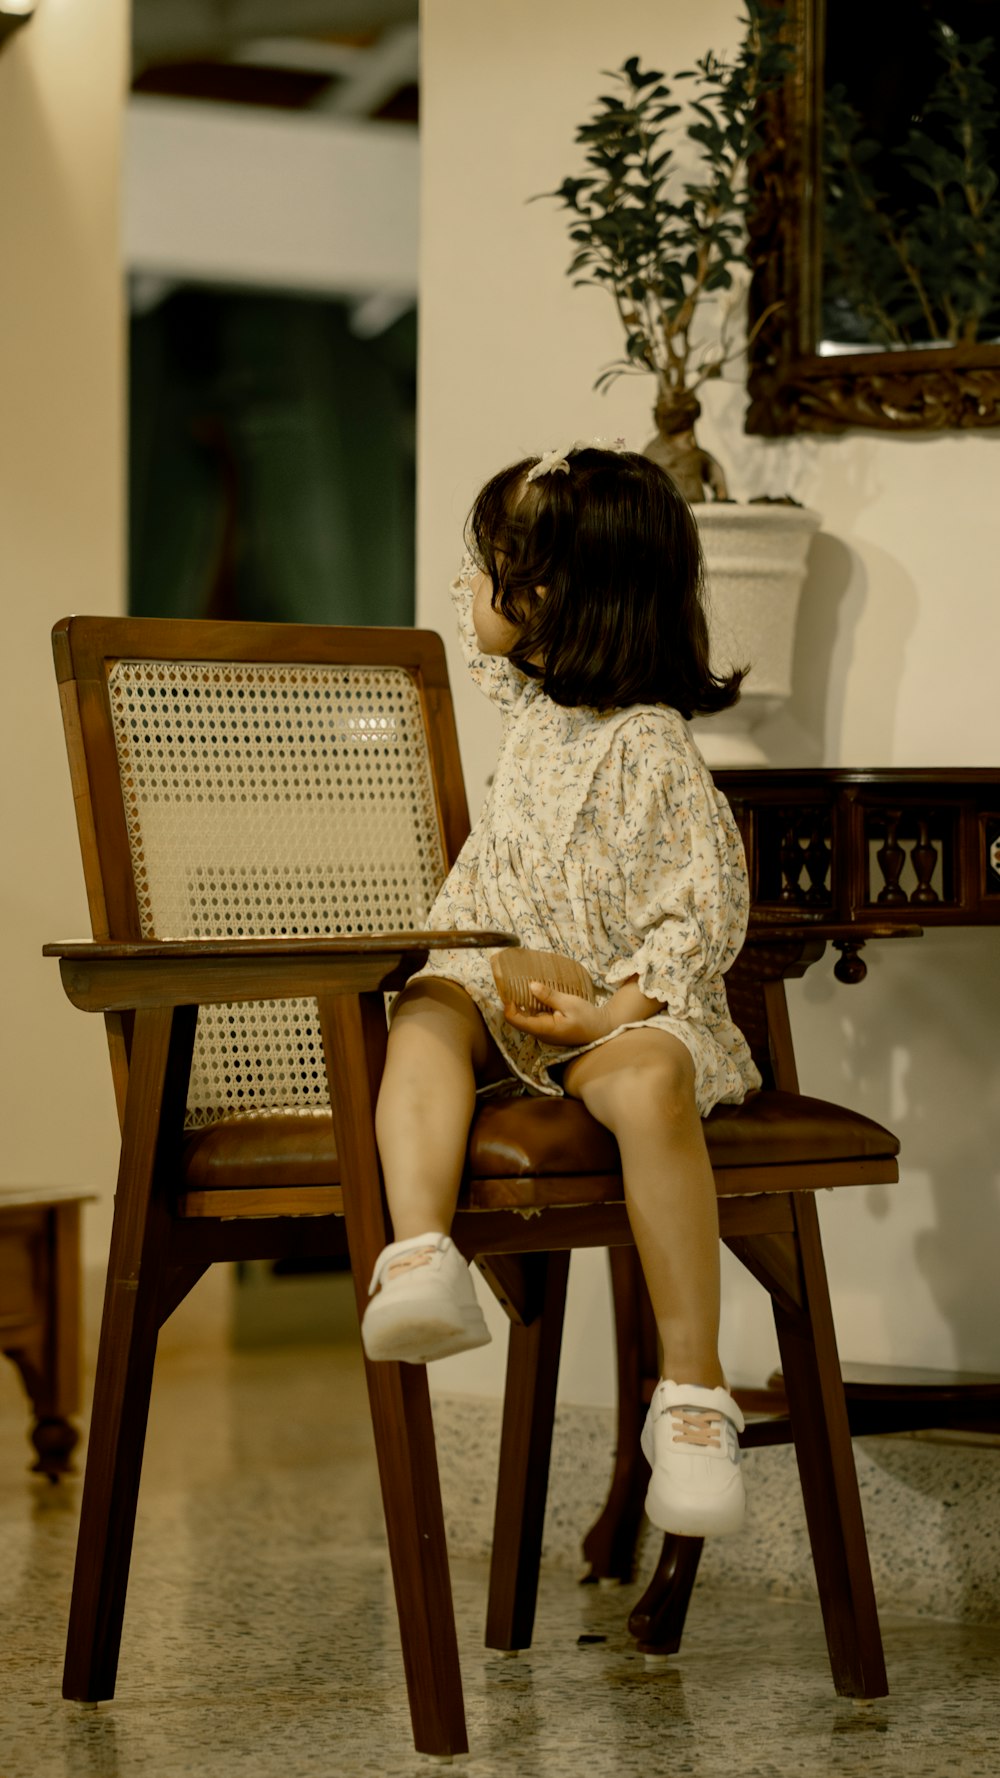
x,y
62,81
896,650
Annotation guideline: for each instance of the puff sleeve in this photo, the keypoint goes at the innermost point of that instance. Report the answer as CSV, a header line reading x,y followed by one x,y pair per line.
x,y
685,895
496,676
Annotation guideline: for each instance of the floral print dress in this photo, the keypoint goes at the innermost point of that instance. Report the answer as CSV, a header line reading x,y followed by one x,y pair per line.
x,y
603,838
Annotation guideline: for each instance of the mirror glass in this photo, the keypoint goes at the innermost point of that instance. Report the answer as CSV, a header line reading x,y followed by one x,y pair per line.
x,y
909,211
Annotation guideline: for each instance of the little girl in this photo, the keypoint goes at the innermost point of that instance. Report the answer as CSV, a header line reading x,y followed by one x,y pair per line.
x,y
605,840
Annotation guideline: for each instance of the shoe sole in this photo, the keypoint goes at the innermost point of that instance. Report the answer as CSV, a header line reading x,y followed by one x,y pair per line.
x,y
722,1516
418,1339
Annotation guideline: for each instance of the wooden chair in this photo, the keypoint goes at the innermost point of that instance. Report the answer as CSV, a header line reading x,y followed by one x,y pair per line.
x,y
254,803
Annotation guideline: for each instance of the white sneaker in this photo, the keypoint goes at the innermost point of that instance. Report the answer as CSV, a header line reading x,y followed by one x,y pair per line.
x,y
426,1306
689,1441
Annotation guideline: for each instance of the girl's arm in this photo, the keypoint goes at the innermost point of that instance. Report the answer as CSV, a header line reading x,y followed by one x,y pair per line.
x,y
685,892
572,1020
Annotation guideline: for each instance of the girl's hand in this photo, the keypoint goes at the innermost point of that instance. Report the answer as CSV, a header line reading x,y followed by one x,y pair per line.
x,y
569,1019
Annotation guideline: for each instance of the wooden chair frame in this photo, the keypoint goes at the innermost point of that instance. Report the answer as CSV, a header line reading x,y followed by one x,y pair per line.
x,y
164,1238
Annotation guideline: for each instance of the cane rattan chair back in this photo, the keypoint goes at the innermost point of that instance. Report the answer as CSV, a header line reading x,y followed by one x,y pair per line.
x,y
273,800
255,799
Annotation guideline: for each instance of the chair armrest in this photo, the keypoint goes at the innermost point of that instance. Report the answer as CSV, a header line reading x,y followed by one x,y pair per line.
x,y
124,976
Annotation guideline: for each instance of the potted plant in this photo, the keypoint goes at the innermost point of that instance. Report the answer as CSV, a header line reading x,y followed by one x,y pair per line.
x,y
665,234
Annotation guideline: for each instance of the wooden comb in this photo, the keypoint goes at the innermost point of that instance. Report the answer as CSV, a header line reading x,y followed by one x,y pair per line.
x,y
513,970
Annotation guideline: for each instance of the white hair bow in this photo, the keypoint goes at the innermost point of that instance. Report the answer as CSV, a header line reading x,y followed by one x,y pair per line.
x,y
556,462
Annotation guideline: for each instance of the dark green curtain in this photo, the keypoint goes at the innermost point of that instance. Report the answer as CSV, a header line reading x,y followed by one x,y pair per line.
x,y
271,461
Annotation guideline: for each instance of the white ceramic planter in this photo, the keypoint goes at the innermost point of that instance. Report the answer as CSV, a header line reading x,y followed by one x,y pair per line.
x,y
755,558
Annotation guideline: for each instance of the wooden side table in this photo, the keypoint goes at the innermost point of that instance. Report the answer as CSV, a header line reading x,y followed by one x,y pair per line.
x,y
40,1313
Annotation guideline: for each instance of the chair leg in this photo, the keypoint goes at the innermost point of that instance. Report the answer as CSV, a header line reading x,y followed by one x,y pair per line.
x,y
822,1435
160,1064
418,1554
610,1544
525,1451
657,1622
354,1034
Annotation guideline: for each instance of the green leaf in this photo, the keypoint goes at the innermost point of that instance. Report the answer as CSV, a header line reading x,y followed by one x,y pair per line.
x,y
719,278
631,232
637,345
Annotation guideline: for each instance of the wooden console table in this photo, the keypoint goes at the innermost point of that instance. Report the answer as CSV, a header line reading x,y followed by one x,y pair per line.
x,y
859,848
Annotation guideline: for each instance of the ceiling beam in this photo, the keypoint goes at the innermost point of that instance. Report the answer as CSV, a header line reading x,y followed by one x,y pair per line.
x,y
276,200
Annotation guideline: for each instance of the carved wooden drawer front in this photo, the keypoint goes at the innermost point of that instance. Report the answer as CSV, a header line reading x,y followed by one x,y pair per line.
x,y
859,846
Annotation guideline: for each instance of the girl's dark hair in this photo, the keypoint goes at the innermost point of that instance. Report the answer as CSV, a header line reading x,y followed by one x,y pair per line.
x,y
617,551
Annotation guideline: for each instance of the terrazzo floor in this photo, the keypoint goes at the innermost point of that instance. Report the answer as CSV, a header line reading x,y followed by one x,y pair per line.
x,y
260,1633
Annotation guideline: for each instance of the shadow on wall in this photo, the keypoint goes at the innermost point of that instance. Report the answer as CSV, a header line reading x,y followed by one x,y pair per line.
x,y
829,606
952,1090
915,1047
854,618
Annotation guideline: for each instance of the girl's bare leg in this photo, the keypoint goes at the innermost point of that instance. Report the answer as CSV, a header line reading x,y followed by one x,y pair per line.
x,y
640,1085
422,1302
438,1046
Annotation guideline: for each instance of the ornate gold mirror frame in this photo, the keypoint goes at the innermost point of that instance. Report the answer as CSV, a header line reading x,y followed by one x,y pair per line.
x,y
792,388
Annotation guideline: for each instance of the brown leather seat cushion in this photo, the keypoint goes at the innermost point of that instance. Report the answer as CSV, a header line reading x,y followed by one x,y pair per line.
x,y
280,1148
519,1138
